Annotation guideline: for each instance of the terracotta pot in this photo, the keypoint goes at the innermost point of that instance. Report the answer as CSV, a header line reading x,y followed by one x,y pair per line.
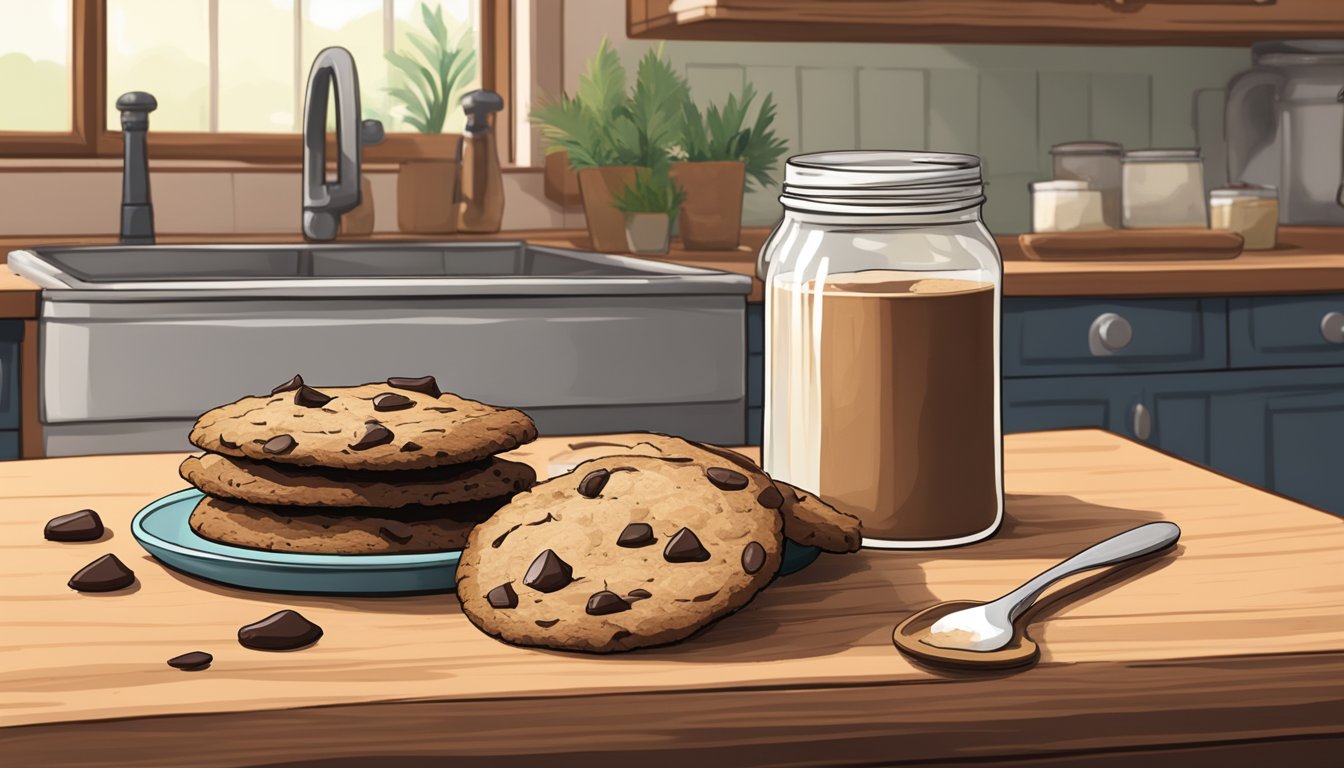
x,y
711,217
358,222
648,234
599,186
425,195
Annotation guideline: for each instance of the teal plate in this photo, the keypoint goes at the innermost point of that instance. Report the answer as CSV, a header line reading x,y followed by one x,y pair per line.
x,y
162,529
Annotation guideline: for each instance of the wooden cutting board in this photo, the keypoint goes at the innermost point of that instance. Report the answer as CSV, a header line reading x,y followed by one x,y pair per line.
x,y
1132,245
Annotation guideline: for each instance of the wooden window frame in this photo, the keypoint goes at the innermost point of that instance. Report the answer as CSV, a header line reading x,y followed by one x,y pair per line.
x,y
89,136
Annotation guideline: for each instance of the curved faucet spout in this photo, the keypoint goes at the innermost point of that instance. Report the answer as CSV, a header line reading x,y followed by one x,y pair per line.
x,y
323,201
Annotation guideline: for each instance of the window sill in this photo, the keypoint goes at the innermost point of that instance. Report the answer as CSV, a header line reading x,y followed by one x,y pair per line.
x,y
109,164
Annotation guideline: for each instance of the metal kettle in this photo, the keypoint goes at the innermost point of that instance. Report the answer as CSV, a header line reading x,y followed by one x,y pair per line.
x,y
1284,123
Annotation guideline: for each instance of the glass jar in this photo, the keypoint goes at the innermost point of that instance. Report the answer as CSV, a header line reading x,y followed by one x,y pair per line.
x,y
1250,211
882,345
1066,206
1163,188
1097,163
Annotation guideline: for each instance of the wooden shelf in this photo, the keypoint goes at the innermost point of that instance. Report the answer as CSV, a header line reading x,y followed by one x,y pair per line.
x,y
1063,22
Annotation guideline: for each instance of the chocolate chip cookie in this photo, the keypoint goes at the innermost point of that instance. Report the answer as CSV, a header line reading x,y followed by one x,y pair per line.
x,y
262,482
807,519
339,531
622,553
403,423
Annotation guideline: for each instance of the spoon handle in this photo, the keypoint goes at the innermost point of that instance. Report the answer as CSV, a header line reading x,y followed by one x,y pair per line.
x,y
1137,542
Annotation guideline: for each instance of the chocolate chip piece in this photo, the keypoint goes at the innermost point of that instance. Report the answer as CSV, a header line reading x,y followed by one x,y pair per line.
x,y
591,485
411,445
726,479
636,535
191,662
639,594
547,623
84,525
548,573
604,602
685,547
395,530
502,596
105,574
425,385
771,498
281,631
279,445
289,386
753,557
375,434
311,398
391,401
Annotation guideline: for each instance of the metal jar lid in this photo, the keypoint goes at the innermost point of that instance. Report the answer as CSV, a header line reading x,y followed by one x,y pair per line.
x,y
1088,148
1162,155
1244,192
1061,185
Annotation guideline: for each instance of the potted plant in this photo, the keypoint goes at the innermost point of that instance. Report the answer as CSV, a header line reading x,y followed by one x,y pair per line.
x,y
723,157
426,188
608,133
649,204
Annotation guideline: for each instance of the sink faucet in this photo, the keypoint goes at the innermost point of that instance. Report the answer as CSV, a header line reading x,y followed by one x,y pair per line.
x,y
137,214
324,202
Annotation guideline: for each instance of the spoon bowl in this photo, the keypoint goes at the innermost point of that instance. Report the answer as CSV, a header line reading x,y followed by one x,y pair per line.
x,y
910,636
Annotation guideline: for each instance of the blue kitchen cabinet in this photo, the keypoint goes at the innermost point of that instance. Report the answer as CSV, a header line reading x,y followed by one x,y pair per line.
x,y
1280,331
11,335
755,373
1065,337
1170,412
9,445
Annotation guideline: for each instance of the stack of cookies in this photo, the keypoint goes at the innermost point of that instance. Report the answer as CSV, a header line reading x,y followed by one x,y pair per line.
x,y
390,467
641,548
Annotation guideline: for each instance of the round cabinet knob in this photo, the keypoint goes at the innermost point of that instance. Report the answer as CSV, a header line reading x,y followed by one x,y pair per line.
x,y
1109,334
1142,421
1332,327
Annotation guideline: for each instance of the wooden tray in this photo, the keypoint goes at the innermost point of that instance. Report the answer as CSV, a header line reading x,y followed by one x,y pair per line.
x,y
1132,245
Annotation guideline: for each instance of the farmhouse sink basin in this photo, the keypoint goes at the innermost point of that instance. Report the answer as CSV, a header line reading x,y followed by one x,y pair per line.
x,y
356,269
137,341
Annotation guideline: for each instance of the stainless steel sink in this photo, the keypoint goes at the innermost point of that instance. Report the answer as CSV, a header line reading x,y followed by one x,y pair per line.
x,y
138,341
396,269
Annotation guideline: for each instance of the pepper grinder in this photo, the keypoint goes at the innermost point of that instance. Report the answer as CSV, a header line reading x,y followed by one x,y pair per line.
x,y
137,214
480,195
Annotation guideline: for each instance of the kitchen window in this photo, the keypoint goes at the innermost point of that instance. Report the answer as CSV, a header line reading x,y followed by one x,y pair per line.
x,y
230,75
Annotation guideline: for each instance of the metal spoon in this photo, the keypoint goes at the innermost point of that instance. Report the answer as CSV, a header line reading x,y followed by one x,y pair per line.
x,y
989,626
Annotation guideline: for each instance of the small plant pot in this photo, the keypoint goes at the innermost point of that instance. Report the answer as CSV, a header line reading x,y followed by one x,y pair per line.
x,y
425,192
711,217
599,187
648,234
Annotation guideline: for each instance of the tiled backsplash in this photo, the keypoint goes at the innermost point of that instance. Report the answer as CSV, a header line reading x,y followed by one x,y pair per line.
x,y
1008,104
84,198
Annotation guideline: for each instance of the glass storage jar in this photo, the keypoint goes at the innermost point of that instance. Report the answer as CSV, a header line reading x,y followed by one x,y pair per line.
x,y
882,345
1097,163
1066,206
1250,211
1163,188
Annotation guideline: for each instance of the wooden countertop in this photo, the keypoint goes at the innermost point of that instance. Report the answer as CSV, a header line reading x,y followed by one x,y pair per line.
x,y
1233,645
1308,260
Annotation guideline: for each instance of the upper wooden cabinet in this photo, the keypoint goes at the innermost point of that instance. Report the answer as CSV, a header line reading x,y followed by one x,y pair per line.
x,y
1115,22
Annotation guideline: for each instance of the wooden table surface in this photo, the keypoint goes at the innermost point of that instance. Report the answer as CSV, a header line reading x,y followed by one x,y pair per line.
x,y
1233,645
1307,260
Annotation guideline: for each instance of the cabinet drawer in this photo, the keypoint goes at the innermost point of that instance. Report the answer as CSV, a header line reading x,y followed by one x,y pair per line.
x,y
11,333
1273,331
9,445
1054,337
